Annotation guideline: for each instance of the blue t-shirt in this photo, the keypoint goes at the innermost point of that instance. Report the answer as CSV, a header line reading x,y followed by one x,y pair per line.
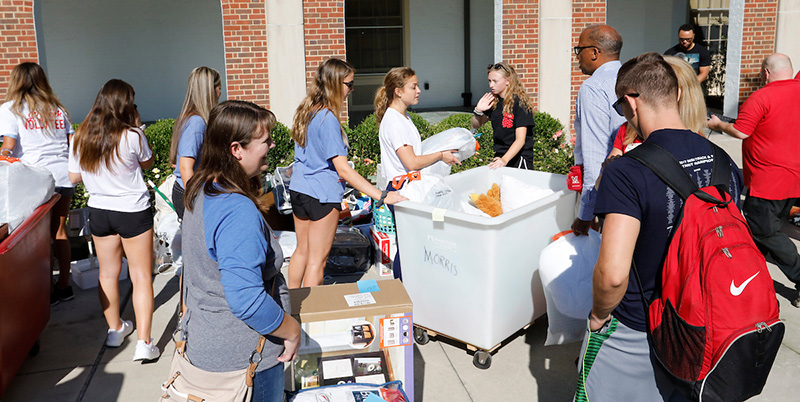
x,y
237,238
631,189
313,173
192,134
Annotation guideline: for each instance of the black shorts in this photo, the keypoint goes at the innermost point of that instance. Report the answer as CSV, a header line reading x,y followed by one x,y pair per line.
x,y
307,207
103,222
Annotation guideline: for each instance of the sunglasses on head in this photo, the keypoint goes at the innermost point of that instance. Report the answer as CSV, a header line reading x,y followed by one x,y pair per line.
x,y
497,66
618,104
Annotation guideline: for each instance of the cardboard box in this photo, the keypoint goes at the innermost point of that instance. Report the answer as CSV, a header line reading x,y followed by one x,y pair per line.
x,y
353,336
86,273
385,249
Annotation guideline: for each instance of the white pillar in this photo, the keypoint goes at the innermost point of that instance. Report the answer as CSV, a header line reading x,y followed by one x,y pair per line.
x,y
498,31
733,59
788,31
285,57
555,58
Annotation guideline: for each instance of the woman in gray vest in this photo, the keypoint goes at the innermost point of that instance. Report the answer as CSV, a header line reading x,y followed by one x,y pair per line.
x,y
234,291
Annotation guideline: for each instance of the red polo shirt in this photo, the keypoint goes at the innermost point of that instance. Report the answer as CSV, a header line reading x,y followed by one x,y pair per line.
x,y
772,151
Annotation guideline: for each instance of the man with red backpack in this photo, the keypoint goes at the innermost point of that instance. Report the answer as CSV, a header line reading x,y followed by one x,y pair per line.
x,y
640,211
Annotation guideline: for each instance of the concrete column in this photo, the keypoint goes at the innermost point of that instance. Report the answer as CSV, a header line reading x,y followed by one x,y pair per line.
x,y
498,31
555,58
286,57
788,31
733,58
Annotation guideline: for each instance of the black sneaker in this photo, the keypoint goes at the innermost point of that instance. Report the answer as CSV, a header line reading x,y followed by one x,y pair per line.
x,y
796,301
64,294
54,299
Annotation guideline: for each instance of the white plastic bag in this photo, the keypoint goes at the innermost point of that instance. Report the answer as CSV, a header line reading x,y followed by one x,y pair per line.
x,y
23,188
433,191
515,193
167,244
162,208
280,189
457,138
566,267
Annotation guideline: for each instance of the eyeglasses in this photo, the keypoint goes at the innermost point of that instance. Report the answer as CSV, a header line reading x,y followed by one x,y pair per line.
x,y
579,49
497,66
349,84
685,39
618,104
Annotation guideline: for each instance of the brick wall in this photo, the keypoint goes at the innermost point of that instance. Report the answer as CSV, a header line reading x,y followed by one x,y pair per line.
x,y
584,13
758,42
520,42
17,38
244,28
324,34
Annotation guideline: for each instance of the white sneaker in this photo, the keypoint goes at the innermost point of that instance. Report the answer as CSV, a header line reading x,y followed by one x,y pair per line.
x,y
146,351
116,336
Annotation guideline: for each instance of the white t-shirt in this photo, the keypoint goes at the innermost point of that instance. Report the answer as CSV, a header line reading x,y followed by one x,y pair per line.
x,y
121,188
46,147
396,131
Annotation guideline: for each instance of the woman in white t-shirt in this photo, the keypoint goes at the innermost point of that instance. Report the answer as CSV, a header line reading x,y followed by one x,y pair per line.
x,y
36,129
108,155
401,143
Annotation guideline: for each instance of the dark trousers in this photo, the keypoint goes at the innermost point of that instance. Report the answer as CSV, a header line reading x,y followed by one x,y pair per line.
x,y
396,263
765,218
177,199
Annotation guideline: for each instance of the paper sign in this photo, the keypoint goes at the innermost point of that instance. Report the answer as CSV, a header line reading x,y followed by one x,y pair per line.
x,y
368,286
359,299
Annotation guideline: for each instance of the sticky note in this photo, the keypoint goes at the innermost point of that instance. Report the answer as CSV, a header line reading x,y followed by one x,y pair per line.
x,y
367,286
438,214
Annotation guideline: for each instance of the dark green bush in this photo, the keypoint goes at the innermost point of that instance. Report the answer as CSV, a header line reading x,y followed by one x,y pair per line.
x,y
283,153
551,151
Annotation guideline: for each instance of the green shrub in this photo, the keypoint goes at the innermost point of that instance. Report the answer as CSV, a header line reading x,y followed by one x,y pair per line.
x,y
551,152
283,153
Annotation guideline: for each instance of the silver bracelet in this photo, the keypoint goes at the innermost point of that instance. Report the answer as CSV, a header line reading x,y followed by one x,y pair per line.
x,y
476,112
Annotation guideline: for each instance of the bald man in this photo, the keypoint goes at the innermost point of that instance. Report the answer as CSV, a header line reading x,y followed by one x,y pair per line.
x,y
767,123
596,122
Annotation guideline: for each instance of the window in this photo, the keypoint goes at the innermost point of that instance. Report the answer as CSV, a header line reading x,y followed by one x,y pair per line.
x,y
374,34
712,18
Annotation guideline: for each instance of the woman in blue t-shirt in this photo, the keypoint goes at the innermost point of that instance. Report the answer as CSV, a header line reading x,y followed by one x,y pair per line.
x,y
320,170
202,94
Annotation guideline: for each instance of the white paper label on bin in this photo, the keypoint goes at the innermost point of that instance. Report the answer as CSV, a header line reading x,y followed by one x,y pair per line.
x,y
438,214
359,299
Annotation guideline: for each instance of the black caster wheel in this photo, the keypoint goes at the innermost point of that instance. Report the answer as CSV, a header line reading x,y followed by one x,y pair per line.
x,y
421,336
34,349
482,359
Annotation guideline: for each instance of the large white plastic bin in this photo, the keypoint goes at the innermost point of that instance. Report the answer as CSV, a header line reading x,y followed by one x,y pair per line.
x,y
476,278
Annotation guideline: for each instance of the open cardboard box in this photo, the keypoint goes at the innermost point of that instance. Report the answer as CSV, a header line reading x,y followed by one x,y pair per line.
x,y
353,336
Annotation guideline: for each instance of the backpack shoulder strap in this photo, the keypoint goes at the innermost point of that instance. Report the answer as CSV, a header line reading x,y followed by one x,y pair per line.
x,y
665,166
721,171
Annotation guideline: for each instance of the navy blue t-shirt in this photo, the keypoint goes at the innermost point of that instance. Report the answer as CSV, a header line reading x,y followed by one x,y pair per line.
x,y
628,187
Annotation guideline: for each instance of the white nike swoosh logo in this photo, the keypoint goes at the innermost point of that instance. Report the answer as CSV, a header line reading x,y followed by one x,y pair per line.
x,y
737,290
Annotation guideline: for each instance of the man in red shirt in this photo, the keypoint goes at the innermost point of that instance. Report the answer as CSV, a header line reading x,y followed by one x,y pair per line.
x,y
767,124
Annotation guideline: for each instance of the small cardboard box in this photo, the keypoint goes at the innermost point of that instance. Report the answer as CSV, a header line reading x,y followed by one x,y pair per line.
x,y
353,336
385,249
86,273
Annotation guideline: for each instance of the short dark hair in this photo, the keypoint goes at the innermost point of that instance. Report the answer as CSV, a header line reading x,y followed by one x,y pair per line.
x,y
651,77
686,27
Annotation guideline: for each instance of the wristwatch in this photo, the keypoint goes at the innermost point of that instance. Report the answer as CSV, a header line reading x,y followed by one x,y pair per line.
x,y
476,112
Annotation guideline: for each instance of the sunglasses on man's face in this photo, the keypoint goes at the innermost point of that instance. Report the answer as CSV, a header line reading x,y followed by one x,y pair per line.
x,y
618,104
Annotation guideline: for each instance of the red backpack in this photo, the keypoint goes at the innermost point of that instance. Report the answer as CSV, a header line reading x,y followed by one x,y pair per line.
x,y
713,324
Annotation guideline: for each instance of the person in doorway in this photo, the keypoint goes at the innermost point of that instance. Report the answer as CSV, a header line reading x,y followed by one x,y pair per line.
x,y
202,94
320,171
400,141
694,53
511,112
231,251
36,129
108,155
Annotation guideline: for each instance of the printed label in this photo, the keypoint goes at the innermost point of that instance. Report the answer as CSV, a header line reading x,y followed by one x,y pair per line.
x,y
359,299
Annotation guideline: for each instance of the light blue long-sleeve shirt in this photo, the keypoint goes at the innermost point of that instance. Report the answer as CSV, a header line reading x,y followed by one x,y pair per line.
x,y
596,122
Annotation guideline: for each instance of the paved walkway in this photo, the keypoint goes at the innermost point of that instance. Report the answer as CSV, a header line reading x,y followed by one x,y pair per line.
x,y
73,364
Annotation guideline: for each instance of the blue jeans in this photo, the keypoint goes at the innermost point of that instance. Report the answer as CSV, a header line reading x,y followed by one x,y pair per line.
x,y
268,385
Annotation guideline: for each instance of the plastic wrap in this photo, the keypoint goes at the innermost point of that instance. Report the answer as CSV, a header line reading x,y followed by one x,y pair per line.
x,y
23,188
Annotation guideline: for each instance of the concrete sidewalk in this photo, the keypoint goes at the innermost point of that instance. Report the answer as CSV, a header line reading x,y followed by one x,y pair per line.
x,y
74,365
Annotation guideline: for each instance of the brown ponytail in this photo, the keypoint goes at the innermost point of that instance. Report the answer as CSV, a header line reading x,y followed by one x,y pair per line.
x,y
395,78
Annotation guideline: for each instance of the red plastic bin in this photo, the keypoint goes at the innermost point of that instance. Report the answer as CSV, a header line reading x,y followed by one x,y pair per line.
x,y
25,257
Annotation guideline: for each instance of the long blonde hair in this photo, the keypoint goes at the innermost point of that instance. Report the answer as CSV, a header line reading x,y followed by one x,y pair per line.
x,y
29,86
515,89
692,104
325,93
395,78
98,137
201,97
